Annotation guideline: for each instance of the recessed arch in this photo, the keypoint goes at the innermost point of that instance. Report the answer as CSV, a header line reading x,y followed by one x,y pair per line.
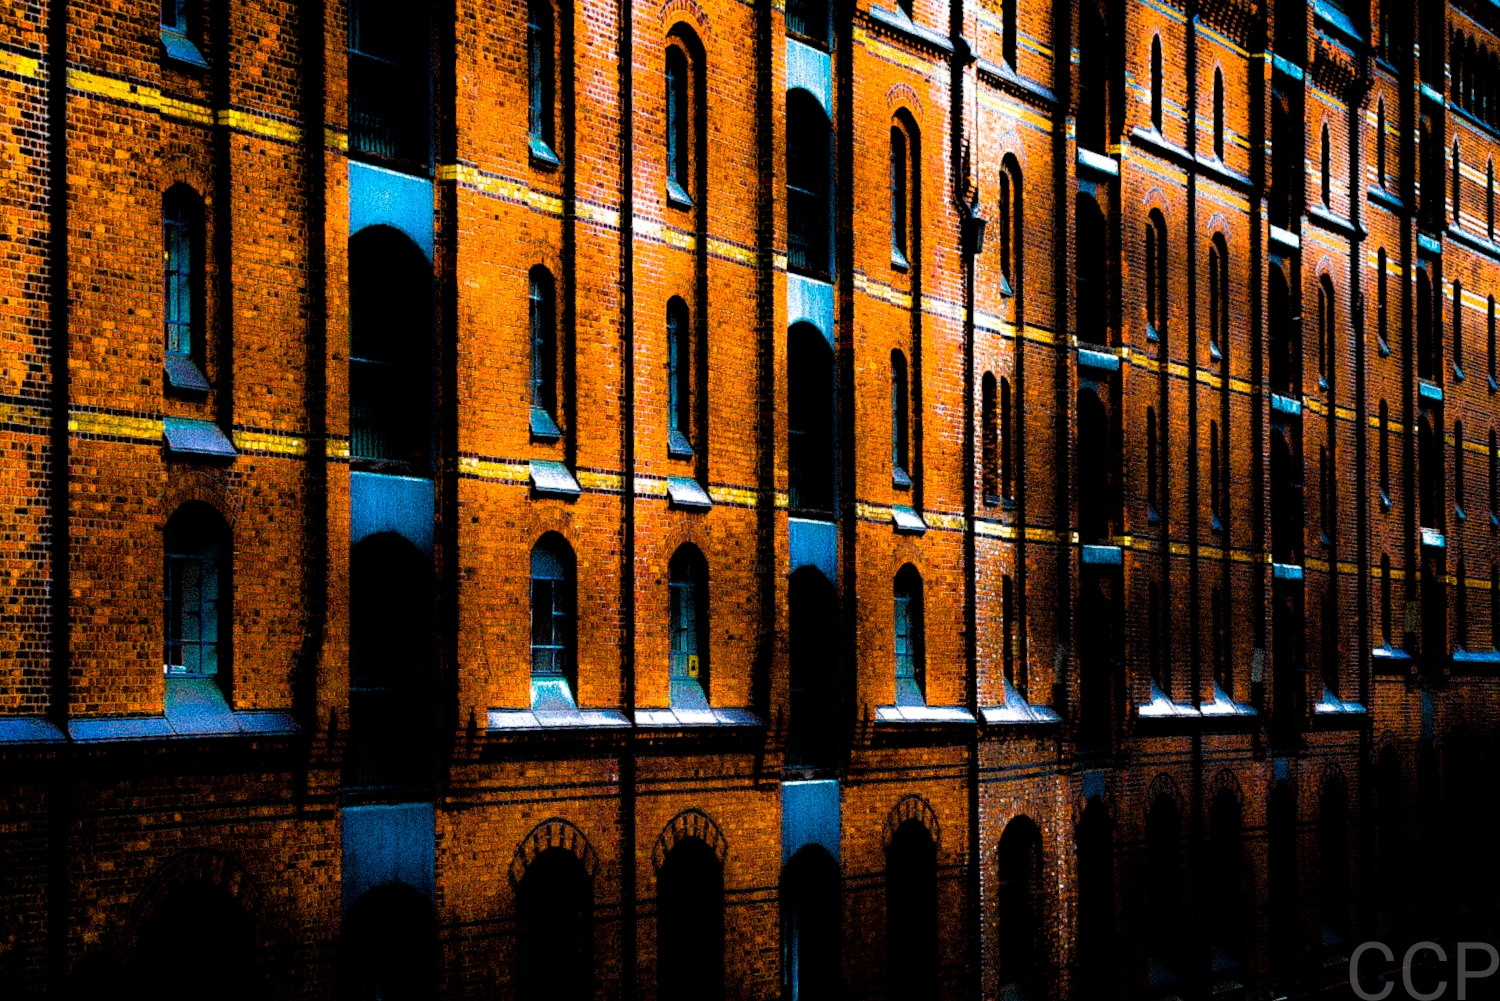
x,y
690,823
911,807
554,832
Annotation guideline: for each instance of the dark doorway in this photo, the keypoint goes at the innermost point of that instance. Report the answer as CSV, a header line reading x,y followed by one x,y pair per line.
x,y
1020,905
390,666
1225,890
197,936
1285,915
812,927
1095,974
810,457
690,924
812,731
1333,844
1096,657
1164,930
911,914
390,946
1095,494
554,929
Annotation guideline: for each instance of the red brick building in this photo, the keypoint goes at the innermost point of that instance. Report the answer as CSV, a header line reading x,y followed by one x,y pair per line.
x,y
745,499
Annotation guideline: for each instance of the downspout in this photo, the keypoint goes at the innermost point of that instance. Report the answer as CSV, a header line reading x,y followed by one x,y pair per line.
x,y
59,552
624,11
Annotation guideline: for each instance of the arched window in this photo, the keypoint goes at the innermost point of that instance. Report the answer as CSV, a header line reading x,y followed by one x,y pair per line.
x,y
911,909
1008,34
1091,272
810,443
1156,83
1096,902
811,926
1218,113
809,182
900,421
911,654
390,356
542,77
1381,311
1327,169
390,664
1095,486
1281,824
1385,600
1019,902
390,86
1094,74
1215,481
989,441
390,945
195,908
198,592
1218,296
1380,141
809,20
1098,658
1457,185
1223,669
554,609
901,190
182,287
685,146
1385,456
545,367
690,924
1226,858
1011,226
1160,683
812,671
1458,470
1008,638
1286,500
1429,472
1326,345
1489,200
1007,442
1333,844
681,368
1152,501
1164,931
1458,330
554,929
1492,345
1156,275
1286,348
687,589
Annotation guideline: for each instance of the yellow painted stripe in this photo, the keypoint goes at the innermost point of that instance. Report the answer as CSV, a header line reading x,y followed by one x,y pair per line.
x,y
742,496
20,65
260,125
22,414
88,422
259,441
488,469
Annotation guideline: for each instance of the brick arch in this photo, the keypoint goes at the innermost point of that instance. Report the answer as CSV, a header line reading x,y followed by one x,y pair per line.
x,y
1008,143
911,807
181,168
1156,199
1165,785
901,96
1217,223
675,12
904,551
197,866
554,832
690,823
1332,775
1225,781
199,485
1325,269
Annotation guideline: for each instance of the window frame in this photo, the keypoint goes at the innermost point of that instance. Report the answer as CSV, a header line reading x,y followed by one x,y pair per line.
x,y
546,367
688,627
901,420
680,121
541,58
909,637
557,605
183,287
214,562
681,380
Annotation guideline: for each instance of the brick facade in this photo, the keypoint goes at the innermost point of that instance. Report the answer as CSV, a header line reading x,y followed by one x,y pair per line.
x,y
1213,657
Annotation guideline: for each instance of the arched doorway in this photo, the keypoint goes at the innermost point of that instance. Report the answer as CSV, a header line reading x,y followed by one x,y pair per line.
x,y
390,665
1095,973
390,946
911,912
1019,900
690,924
197,935
554,929
1225,893
1163,932
812,927
812,732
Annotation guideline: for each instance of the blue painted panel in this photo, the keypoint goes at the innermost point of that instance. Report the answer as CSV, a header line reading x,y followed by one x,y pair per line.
x,y
811,70
810,815
380,197
814,544
1093,786
810,301
400,504
388,844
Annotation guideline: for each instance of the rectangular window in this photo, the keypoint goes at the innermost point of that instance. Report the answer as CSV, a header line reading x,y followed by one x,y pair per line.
x,y
539,45
1214,481
684,622
192,607
679,122
544,396
1458,330
389,85
174,16
1385,600
178,238
900,421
